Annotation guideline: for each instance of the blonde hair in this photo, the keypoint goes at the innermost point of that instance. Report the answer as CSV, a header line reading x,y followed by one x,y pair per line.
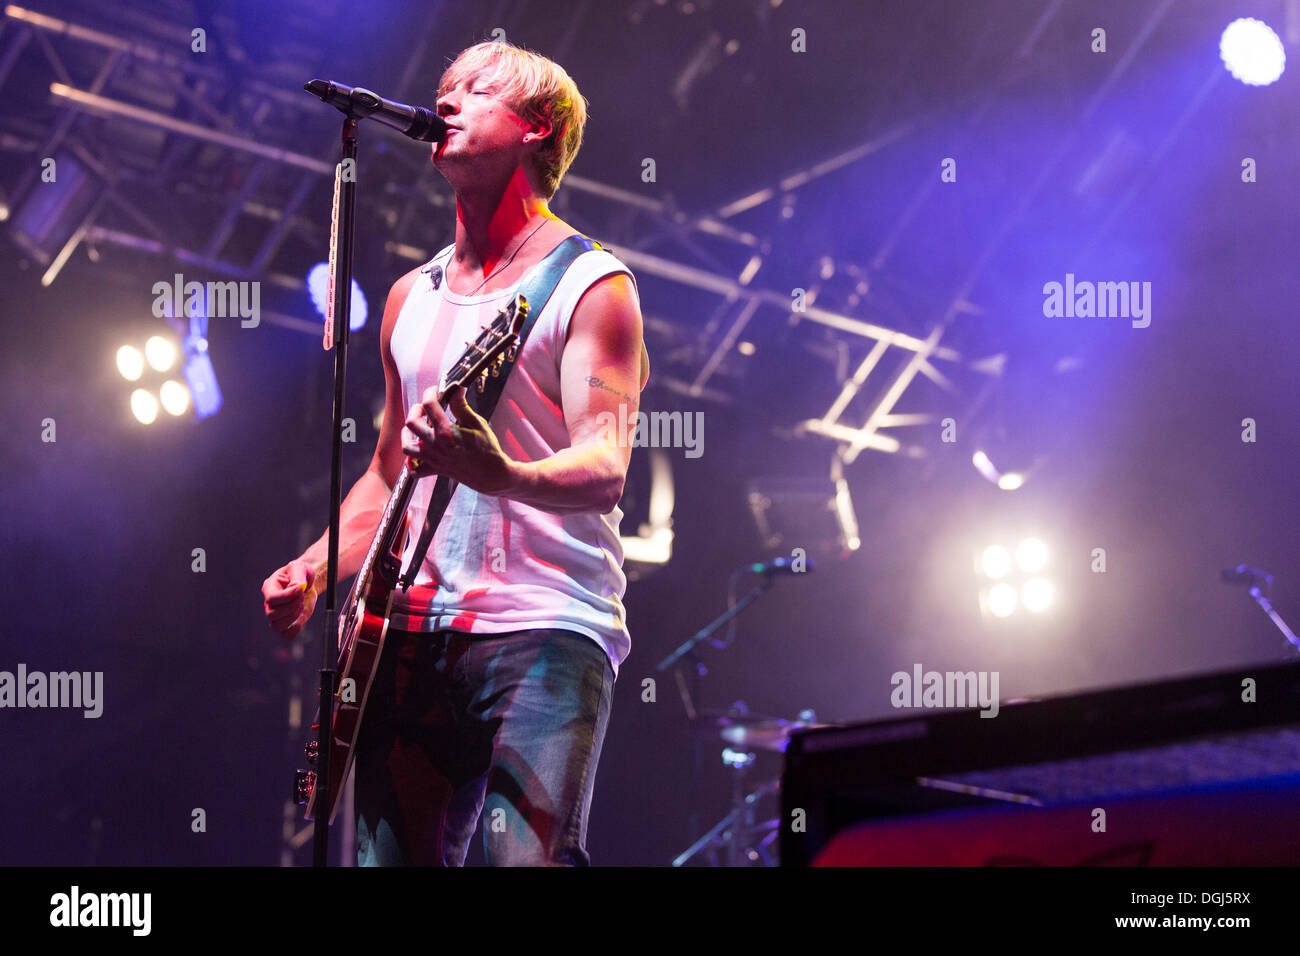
x,y
537,89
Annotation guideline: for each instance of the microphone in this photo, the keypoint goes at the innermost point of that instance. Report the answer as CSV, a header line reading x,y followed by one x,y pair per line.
x,y
417,122
1243,574
780,566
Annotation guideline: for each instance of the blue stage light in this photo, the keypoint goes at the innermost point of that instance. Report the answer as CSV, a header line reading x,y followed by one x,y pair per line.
x,y
318,283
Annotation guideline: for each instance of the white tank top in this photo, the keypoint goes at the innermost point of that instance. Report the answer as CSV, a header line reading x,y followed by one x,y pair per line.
x,y
497,565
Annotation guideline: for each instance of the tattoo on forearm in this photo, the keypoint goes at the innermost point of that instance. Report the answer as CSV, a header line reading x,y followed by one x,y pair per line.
x,y
598,383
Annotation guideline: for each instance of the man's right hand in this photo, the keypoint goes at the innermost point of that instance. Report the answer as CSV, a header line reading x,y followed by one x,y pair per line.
x,y
289,597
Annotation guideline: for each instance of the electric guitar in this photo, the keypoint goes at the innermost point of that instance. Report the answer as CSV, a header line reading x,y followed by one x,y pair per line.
x,y
364,622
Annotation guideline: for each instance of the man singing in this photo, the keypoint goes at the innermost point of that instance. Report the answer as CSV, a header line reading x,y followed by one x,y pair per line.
x,y
493,692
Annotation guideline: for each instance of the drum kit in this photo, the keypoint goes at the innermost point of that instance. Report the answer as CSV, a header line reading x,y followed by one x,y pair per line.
x,y
739,838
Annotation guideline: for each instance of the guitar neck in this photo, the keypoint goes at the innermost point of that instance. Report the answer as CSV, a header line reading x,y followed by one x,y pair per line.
x,y
382,543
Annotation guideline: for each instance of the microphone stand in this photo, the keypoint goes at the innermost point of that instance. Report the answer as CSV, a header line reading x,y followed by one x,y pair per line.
x,y
342,252
690,693
1276,618
1261,585
421,124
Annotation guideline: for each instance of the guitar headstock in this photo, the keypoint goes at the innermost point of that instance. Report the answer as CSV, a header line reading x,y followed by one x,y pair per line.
x,y
496,344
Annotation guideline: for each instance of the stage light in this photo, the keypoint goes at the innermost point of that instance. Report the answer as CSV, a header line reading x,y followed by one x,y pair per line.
x,y
318,287
175,397
984,465
1037,595
1031,555
1011,578
144,406
201,378
996,561
160,353
1252,52
130,363
1002,600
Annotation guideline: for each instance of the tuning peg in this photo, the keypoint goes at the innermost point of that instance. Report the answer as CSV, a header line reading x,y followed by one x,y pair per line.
x,y
482,380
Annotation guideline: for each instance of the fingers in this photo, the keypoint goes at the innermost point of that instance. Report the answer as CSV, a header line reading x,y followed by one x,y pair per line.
x,y
288,584
456,402
460,408
288,597
282,619
431,411
291,621
428,434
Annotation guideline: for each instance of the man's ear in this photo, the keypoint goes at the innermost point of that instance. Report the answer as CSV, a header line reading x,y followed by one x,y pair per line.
x,y
538,131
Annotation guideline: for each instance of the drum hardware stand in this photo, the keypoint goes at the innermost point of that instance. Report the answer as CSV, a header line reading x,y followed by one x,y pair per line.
x,y
688,688
743,841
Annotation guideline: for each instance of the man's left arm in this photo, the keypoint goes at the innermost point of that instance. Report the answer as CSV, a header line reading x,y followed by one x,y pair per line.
x,y
602,370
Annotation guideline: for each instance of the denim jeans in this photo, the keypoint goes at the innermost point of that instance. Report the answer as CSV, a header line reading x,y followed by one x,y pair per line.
x,y
507,726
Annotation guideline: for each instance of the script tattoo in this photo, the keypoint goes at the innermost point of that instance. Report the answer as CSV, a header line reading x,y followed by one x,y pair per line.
x,y
598,383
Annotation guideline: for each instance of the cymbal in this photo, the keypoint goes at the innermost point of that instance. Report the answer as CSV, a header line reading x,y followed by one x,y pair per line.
x,y
771,735
739,728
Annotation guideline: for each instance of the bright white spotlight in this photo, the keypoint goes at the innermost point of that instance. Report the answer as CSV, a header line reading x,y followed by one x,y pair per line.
x,y
985,467
1002,599
130,363
1011,481
996,561
1031,555
160,353
144,406
1252,52
1037,594
175,397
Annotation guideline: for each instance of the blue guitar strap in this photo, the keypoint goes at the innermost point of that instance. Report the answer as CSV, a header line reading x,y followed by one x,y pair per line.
x,y
537,286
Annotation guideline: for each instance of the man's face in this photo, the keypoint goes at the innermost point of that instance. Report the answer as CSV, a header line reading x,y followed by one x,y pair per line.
x,y
480,123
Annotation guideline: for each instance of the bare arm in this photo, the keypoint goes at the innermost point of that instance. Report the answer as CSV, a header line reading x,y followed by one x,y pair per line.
x,y
360,511
290,593
600,372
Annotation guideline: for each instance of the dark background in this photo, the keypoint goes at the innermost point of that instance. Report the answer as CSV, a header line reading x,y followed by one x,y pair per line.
x,y
1116,166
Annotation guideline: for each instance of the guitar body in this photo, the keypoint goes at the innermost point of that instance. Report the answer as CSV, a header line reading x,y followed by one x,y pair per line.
x,y
364,624
361,644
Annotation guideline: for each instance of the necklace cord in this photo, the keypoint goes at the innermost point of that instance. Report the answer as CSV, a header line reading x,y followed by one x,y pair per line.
x,y
508,261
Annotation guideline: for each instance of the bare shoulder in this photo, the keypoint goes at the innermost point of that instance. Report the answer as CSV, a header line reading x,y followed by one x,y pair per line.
x,y
608,307
393,307
608,317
